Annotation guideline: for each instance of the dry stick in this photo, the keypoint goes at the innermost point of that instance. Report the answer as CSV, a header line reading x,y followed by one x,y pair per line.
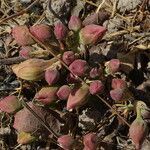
x,y
10,61
39,118
100,6
118,33
46,48
19,13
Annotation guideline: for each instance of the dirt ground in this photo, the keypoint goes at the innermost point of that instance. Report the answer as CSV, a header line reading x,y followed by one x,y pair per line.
x,y
111,114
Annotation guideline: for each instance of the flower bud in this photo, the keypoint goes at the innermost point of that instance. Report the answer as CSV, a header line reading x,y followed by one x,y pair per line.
x,y
116,94
77,97
47,95
74,23
52,76
90,34
60,31
118,84
66,142
68,57
25,138
41,31
10,104
95,72
96,87
25,121
63,92
137,132
79,67
112,66
22,36
25,51
32,69
90,141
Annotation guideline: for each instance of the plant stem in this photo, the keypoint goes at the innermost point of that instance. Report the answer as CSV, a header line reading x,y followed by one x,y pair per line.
x,y
10,61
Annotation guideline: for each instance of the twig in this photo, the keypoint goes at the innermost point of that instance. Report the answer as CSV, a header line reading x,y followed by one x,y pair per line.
x,y
100,6
52,53
91,3
10,61
118,33
19,13
39,118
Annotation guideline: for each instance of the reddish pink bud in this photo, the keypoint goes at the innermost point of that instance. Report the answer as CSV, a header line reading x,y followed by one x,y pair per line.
x,y
137,132
10,104
116,94
74,23
52,76
79,67
95,72
25,51
66,142
68,57
47,95
60,31
96,87
118,84
77,97
90,141
22,35
41,31
63,92
72,79
90,34
112,66
25,121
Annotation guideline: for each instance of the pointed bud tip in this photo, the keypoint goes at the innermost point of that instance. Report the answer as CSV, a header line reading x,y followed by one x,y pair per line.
x,y
52,76
74,23
60,31
90,34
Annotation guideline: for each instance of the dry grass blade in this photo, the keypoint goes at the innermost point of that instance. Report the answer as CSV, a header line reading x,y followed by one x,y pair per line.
x,y
100,6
